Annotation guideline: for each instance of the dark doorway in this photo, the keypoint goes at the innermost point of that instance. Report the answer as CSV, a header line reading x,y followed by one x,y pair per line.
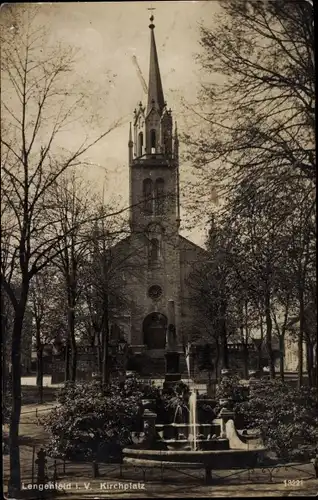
x,y
154,330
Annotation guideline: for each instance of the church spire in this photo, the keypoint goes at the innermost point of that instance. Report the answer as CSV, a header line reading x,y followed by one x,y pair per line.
x,y
155,92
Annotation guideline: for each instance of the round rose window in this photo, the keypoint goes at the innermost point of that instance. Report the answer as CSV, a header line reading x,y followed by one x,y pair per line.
x,y
155,292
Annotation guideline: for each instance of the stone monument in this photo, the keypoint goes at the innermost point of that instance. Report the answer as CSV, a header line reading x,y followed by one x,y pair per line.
x,y
172,355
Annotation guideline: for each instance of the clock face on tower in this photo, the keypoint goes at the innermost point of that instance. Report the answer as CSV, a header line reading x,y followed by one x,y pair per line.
x,y
155,292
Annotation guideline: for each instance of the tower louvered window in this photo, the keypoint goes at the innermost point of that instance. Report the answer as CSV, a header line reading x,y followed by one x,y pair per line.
x,y
140,143
154,251
148,196
152,141
159,196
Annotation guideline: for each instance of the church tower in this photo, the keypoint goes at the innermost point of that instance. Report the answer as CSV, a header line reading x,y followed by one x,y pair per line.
x,y
153,157
153,152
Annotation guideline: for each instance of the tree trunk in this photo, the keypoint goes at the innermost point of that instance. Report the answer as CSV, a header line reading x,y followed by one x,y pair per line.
x,y
99,356
269,328
281,335
245,352
105,343
282,356
245,342
260,347
316,364
39,369
217,360
15,473
225,353
71,327
67,359
301,339
4,348
310,361
73,361
245,360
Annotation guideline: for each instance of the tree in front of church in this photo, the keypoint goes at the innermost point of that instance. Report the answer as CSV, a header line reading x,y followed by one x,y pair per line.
x,y
212,284
75,213
41,99
258,117
46,297
102,284
268,257
256,147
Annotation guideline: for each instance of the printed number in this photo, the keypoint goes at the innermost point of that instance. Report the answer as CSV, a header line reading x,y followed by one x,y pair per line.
x,y
293,482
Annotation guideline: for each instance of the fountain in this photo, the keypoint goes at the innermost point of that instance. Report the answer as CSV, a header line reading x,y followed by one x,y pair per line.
x,y
191,443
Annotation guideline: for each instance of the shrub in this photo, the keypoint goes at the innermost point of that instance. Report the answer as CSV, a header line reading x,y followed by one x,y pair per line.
x,y
286,417
230,387
92,424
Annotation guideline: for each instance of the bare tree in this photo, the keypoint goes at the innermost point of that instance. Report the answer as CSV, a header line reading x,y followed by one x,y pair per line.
x,y
111,262
256,111
39,103
213,284
46,297
301,258
72,199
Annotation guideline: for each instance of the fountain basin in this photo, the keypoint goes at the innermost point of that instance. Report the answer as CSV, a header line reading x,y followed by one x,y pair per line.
x,y
177,444
214,459
202,444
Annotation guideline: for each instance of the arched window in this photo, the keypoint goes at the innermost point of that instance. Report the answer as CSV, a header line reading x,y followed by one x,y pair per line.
x,y
154,251
152,141
148,196
140,143
159,196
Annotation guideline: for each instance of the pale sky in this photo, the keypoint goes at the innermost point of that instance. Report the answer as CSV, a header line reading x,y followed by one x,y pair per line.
x,y
109,34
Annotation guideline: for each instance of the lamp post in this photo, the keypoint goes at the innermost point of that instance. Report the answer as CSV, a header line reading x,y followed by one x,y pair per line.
x,y
122,351
122,346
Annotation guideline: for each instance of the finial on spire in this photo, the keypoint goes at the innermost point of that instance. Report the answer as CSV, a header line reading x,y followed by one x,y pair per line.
x,y
151,25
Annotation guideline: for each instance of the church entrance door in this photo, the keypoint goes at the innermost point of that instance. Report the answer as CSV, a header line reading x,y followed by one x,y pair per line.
x,y
154,330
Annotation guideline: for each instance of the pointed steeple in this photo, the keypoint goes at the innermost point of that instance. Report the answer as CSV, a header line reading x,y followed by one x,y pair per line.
x,y
155,92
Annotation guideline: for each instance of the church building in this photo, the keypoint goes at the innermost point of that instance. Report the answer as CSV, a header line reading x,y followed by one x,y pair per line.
x,y
157,260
